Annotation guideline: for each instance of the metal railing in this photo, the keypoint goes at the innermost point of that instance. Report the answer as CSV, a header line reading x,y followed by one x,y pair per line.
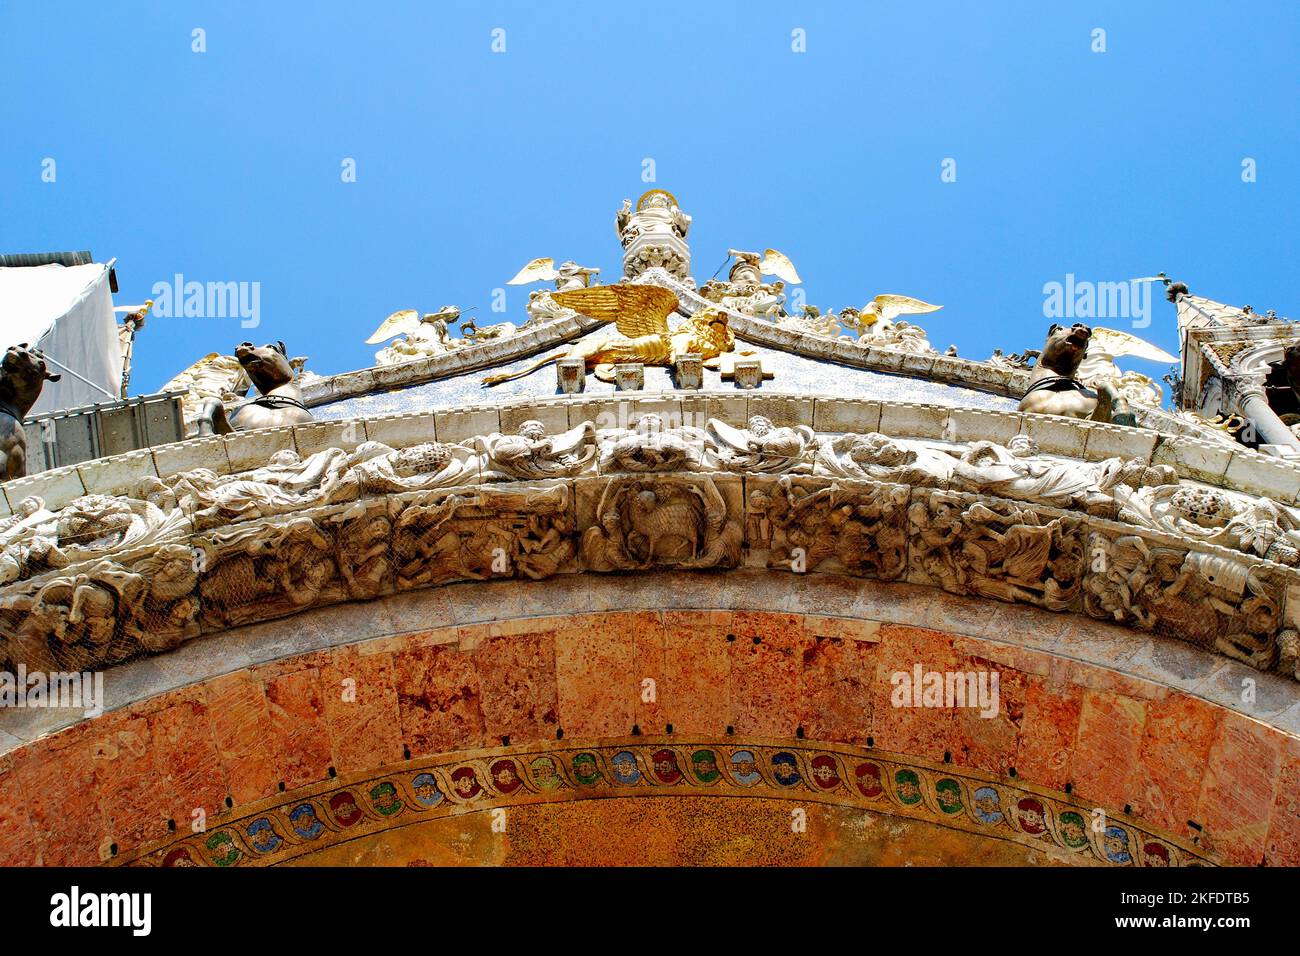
x,y
72,435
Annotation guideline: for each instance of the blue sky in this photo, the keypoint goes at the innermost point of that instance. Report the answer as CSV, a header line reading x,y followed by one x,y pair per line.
x,y
225,165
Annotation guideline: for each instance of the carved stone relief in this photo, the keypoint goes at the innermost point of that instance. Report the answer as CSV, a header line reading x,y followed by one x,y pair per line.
x,y
668,522
1217,602
996,550
105,577
808,524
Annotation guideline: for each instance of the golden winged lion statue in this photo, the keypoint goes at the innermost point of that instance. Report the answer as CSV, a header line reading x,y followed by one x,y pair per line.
x,y
640,314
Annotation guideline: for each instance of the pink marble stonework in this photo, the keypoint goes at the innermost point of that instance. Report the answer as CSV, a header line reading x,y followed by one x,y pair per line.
x,y
118,782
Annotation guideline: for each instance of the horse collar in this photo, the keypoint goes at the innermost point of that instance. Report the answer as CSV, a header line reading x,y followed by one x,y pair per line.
x,y
277,401
1057,383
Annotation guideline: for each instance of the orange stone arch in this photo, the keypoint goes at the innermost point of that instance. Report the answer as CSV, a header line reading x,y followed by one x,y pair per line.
x,y
625,720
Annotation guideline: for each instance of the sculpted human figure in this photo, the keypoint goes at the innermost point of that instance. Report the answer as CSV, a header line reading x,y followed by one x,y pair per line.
x,y
28,518
649,446
29,556
545,545
884,332
167,612
808,524
744,272
763,301
877,457
656,212
811,321
603,545
531,453
279,401
362,550
1017,471
22,375
427,339
760,447
1054,387
542,307
724,539
289,483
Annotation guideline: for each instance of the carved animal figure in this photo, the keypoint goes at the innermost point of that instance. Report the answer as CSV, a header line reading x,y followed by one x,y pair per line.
x,y
671,526
640,315
22,375
279,401
1054,388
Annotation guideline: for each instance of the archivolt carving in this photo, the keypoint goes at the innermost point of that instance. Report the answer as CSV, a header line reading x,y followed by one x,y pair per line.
x,y
761,447
460,536
1214,601
290,483
806,524
997,550
35,539
1215,516
108,577
650,445
531,453
665,523
268,569
1015,470
102,612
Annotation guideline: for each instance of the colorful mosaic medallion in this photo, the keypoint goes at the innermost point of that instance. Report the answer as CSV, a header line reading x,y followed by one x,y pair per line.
x,y
329,813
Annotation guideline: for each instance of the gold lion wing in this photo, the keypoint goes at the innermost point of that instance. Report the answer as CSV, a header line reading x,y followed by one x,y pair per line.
x,y
637,310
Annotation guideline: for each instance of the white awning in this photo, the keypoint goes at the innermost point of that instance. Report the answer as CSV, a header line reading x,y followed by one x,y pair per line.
x,y
66,312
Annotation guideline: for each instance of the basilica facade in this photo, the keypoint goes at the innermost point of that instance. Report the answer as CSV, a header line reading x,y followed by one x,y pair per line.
x,y
675,572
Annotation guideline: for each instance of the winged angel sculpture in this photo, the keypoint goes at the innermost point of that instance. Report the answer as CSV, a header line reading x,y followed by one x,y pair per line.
x,y
640,315
750,267
876,319
567,276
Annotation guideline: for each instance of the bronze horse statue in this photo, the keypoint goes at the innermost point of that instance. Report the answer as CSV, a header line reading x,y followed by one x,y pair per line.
x,y
1054,389
279,400
22,376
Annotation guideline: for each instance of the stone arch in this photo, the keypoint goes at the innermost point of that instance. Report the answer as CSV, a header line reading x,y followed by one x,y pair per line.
x,y
1092,718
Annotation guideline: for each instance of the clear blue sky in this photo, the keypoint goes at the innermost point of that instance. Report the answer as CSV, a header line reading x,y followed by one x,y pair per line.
x,y
225,165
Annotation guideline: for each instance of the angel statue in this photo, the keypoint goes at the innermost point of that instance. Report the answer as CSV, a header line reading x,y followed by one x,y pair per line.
x,y
542,306
750,268
1098,364
875,320
425,336
568,276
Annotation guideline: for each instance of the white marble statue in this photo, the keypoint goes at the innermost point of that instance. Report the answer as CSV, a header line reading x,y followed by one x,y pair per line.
x,y
531,453
762,447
